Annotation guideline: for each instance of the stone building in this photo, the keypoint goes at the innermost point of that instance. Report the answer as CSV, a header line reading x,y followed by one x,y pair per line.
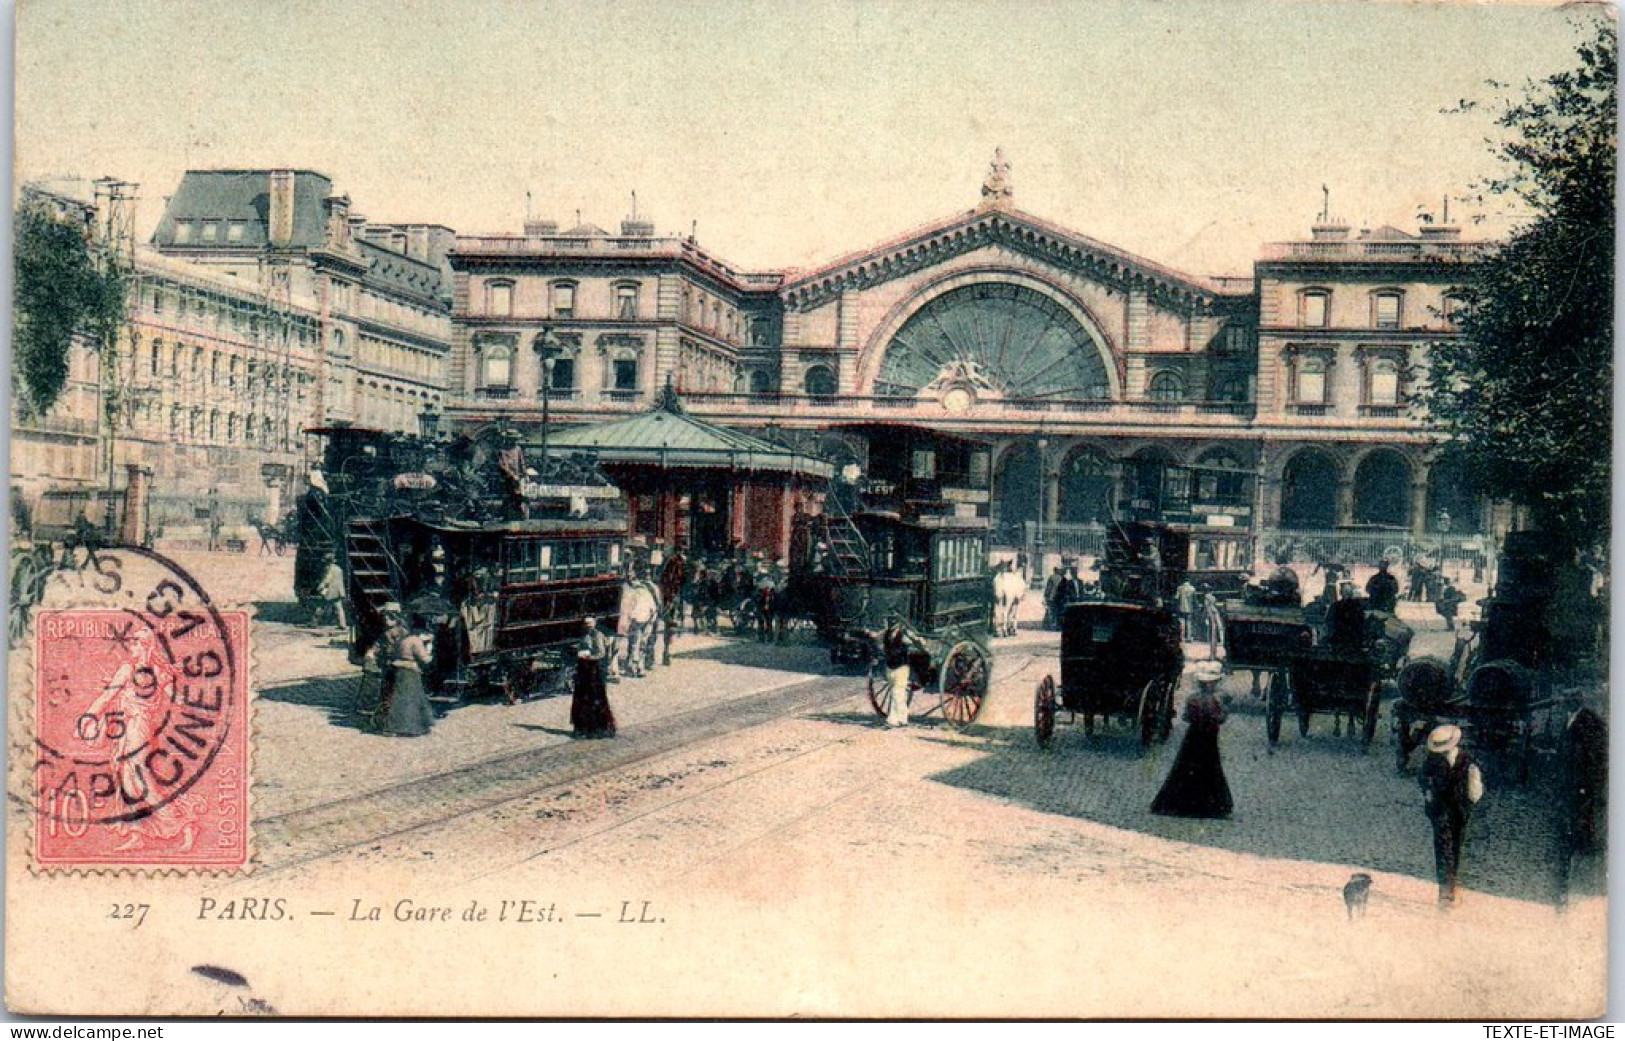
x,y
1089,370
263,306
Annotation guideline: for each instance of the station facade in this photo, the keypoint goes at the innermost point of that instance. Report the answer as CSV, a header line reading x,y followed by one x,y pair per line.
x,y
1086,368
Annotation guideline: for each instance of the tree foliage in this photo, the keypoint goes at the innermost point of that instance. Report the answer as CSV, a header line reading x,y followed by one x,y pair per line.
x,y
61,293
1526,393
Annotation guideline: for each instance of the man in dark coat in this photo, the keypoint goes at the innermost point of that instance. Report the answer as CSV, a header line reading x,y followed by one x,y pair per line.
x,y
1451,785
1052,615
1383,589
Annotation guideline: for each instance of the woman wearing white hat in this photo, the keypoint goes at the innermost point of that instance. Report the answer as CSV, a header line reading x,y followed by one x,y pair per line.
x,y
1196,786
1451,785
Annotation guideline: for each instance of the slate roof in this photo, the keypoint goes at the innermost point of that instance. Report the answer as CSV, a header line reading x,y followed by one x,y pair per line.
x,y
671,438
244,195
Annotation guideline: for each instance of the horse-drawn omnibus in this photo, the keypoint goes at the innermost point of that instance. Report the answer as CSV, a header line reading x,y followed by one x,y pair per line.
x,y
501,559
907,535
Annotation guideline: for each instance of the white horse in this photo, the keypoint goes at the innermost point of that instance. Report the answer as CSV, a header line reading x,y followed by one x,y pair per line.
x,y
1008,589
640,609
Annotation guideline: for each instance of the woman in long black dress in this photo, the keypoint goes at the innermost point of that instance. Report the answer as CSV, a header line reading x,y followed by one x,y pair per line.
x,y
409,713
590,715
1196,786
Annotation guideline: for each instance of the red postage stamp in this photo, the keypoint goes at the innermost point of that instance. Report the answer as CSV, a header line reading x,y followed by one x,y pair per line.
x,y
142,735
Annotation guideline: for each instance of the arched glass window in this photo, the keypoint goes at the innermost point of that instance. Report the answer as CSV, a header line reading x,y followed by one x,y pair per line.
x,y
1312,381
1167,386
820,382
1314,308
761,382
496,366
1231,388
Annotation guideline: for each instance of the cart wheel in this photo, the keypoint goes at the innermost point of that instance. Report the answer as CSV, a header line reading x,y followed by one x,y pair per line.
x,y
1372,704
1044,712
1274,707
879,690
964,682
1150,709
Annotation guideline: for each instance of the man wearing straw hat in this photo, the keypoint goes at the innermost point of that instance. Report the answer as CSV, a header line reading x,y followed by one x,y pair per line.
x,y
1451,785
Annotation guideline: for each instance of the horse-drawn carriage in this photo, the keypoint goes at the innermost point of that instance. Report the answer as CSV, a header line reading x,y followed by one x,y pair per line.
x,y
1339,659
851,573
1123,656
500,560
1498,684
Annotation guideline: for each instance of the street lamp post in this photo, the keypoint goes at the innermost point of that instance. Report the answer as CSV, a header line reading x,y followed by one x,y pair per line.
x,y
547,348
1038,528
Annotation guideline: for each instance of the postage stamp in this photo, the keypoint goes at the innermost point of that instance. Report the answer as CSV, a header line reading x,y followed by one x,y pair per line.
x,y
141,729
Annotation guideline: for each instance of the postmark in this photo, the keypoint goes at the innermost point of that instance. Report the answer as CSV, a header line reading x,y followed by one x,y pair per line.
x,y
141,723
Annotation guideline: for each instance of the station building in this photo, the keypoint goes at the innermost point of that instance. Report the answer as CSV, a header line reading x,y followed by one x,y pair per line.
x,y
1087,369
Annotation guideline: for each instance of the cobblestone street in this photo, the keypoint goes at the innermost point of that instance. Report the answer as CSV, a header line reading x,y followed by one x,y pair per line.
x,y
752,802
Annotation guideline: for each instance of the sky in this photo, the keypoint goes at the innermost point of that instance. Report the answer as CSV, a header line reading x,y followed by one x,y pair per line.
x,y
789,133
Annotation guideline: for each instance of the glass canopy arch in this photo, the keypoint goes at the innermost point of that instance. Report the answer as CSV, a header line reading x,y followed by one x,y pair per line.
x,y
993,340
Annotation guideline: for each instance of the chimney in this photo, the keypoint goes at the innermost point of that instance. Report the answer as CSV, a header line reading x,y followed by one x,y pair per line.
x,y
280,215
338,222
417,242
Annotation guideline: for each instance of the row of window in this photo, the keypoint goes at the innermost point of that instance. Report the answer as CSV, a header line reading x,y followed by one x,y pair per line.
x,y
1387,308
1311,381
187,232
556,560
217,368
960,556
1167,385
408,361
245,320
497,371
561,298
196,425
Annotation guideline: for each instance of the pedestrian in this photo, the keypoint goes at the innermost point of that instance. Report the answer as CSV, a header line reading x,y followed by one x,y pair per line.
x,y
1214,620
330,594
1451,786
1185,603
1196,786
590,714
896,644
370,695
1382,589
1415,575
1052,614
1449,599
409,713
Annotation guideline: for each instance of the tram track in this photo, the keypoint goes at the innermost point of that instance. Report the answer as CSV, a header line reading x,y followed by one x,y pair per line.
x,y
316,832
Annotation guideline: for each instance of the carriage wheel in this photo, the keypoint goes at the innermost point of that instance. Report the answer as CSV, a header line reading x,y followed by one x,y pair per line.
x,y
1150,709
879,690
1372,704
1274,707
1044,712
965,674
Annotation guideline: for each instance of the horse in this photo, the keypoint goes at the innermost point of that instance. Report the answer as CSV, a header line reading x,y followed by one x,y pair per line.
x,y
640,609
1008,589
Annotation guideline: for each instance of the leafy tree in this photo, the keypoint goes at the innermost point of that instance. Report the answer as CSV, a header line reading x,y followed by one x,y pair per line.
x,y
1526,393
61,292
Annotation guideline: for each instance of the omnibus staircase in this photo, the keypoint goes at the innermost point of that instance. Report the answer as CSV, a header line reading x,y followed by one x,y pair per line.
x,y
849,550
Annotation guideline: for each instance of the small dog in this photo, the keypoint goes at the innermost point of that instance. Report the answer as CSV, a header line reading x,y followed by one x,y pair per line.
x,y
1355,892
